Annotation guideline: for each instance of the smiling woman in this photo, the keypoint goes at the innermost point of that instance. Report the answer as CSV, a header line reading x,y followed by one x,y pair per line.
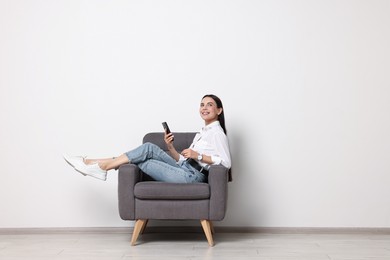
x,y
209,147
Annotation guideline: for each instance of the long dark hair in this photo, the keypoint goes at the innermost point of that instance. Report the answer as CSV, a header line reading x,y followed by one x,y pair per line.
x,y
221,117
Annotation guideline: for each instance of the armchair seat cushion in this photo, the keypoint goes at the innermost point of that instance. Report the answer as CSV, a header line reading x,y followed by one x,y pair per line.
x,y
154,190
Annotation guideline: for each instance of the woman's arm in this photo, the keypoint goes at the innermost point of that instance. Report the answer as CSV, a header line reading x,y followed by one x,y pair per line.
x,y
168,138
214,149
189,153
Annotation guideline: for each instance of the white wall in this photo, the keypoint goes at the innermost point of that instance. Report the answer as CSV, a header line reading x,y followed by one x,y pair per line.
x,y
305,85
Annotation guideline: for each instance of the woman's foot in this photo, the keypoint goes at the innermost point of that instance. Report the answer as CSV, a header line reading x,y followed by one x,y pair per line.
x,y
75,161
93,170
86,167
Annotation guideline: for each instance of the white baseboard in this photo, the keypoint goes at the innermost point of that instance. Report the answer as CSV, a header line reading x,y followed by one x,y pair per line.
x,y
193,229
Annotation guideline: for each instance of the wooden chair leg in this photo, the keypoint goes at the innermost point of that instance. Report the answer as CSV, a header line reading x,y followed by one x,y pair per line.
x,y
206,225
138,227
143,228
212,227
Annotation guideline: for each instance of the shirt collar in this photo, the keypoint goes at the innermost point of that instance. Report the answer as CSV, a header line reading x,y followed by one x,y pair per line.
x,y
210,126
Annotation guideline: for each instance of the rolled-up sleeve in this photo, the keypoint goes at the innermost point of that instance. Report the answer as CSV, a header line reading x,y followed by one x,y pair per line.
x,y
222,152
181,158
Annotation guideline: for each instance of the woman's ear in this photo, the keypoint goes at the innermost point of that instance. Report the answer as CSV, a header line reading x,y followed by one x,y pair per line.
x,y
220,111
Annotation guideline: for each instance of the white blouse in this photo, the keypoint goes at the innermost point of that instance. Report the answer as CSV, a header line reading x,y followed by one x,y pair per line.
x,y
212,141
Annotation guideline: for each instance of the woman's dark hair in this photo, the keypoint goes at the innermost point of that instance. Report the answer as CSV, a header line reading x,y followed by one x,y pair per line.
x,y
221,117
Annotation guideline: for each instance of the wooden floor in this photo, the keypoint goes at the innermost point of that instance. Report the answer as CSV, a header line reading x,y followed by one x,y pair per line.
x,y
266,246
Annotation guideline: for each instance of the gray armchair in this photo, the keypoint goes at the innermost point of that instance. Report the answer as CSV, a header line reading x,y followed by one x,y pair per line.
x,y
141,199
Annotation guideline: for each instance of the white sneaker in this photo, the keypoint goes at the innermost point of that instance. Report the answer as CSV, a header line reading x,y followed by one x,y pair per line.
x,y
75,161
92,170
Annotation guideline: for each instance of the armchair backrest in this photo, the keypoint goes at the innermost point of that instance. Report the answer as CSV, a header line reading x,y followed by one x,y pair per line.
x,y
182,140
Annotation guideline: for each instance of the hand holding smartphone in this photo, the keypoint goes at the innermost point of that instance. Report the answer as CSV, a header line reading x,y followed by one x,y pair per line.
x,y
166,128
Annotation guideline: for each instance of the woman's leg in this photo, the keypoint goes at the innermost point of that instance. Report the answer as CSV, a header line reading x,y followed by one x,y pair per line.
x,y
179,173
114,163
161,171
149,157
138,155
109,163
155,162
92,161
149,151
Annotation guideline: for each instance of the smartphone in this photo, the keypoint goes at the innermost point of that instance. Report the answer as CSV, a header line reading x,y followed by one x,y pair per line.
x,y
166,128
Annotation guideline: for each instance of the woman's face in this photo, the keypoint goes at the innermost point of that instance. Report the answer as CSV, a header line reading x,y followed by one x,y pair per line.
x,y
209,110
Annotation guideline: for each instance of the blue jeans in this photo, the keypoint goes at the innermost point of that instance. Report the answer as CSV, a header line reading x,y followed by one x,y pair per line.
x,y
156,163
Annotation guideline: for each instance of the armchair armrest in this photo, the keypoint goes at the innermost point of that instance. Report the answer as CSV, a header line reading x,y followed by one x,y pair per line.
x,y
218,181
128,176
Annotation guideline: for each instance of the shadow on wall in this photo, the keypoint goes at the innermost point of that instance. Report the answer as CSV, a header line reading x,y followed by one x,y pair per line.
x,y
245,206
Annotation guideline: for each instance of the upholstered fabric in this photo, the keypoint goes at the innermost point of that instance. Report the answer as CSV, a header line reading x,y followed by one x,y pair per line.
x,y
153,190
172,209
182,140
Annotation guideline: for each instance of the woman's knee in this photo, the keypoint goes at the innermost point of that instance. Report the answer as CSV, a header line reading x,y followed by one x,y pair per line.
x,y
150,146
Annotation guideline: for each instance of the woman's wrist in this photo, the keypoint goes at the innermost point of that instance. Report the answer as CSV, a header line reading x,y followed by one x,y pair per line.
x,y
199,157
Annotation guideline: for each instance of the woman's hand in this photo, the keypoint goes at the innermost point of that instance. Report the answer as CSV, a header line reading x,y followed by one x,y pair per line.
x,y
188,153
168,138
